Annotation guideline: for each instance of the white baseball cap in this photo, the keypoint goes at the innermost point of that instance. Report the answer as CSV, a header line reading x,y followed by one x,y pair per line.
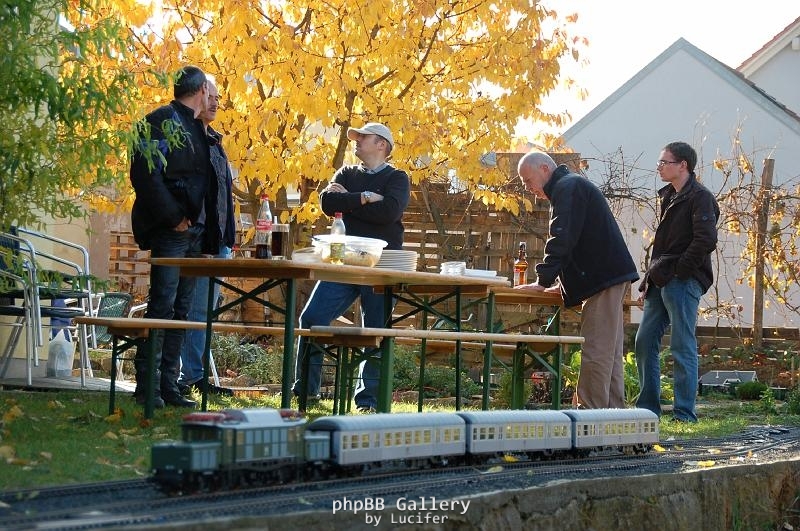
x,y
372,128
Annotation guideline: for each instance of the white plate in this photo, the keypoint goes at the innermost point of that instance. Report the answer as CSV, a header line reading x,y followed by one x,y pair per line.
x,y
480,273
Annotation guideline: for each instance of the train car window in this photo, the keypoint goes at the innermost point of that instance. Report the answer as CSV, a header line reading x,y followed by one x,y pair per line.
x,y
387,439
426,436
407,438
456,434
417,437
446,435
365,440
398,438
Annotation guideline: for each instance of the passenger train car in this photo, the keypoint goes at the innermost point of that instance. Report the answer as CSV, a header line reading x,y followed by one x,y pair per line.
x,y
243,447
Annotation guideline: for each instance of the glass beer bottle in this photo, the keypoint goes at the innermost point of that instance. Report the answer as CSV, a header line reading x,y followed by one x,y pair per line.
x,y
521,266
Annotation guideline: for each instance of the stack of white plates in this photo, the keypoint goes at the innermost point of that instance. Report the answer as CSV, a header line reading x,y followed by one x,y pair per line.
x,y
400,260
486,273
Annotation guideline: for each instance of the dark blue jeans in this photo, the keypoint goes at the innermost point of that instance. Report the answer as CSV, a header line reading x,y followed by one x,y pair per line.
x,y
170,298
195,342
328,301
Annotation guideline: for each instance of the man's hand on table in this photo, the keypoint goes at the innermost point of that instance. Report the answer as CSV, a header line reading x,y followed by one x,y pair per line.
x,y
530,287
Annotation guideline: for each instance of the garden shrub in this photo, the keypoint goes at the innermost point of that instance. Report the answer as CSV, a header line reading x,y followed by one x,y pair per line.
x,y
750,390
793,401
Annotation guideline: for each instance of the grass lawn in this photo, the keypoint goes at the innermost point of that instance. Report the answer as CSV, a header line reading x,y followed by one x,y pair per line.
x,y
59,437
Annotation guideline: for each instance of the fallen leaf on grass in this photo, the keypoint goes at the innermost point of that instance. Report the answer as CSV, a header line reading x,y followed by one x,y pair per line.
x,y
14,413
7,452
111,435
128,431
116,417
55,404
102,461
46,455
20,462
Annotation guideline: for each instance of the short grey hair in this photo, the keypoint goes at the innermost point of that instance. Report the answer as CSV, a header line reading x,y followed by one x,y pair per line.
x,y
536,158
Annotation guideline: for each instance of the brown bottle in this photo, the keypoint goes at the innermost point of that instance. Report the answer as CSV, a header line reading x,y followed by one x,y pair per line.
x,y
521,266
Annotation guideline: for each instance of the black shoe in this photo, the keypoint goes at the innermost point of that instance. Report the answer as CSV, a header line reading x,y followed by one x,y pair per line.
x,y
212,389
158,402
184,389
179,401
366,410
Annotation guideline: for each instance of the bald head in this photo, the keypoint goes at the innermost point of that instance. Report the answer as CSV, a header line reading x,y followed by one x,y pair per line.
x,y
535,169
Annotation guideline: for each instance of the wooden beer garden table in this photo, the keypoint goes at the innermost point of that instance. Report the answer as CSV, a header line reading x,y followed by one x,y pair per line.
x,y
394,283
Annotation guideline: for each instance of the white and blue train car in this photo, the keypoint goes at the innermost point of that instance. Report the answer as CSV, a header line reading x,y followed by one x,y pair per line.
x,y
592,428
391,437
494,432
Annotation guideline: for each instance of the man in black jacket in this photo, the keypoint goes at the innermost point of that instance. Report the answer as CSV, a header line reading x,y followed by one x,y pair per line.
x,y
372,197
679,273
587,253
175,199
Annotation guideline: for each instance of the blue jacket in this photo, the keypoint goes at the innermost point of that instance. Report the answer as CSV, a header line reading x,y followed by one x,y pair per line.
x,y
585,249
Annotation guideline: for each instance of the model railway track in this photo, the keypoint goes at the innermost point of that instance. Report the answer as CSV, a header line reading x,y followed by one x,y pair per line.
x,y
129,503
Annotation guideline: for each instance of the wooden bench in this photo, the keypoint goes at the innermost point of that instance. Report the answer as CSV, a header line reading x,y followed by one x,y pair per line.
x,y
518,346
128,332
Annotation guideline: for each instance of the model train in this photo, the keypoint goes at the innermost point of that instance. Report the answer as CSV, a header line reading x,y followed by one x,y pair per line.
x,y
240,447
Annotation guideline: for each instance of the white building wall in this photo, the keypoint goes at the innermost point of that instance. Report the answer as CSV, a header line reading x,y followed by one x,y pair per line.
x,y
685,96
780,76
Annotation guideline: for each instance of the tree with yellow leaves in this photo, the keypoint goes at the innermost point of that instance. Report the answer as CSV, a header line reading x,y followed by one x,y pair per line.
x,y
451,78
64,88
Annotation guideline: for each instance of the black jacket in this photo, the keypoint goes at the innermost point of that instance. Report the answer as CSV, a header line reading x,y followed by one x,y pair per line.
x,y
686,236
381,219
180,184
222,169
585,249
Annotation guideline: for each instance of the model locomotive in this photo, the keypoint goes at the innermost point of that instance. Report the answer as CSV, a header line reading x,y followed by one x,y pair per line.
x,y
240,447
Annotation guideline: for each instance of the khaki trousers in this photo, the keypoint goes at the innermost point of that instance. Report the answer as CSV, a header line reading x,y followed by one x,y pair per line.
x,y
601,381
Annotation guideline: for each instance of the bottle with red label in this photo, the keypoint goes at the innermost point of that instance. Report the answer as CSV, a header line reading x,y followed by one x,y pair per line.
x,y
263,238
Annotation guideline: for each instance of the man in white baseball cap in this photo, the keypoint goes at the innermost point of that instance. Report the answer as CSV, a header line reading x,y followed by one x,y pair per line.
x,y
372,197
372,128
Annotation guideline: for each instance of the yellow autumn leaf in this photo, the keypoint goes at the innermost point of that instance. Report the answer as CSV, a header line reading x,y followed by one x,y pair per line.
x,y
706,464
14,413
494,470
46,455
509,458
55,404
713,451
115,417
111,435
659,448
7,452
17,461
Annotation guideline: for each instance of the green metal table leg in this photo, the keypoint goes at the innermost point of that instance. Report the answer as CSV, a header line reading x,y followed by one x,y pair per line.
x,y
517,377
387,361
288,344
487,353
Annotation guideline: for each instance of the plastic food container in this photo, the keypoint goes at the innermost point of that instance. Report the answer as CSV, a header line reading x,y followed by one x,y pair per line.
x,y
358,251
453,268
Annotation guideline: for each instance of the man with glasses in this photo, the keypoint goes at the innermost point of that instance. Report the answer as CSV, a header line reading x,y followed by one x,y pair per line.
x,y
195,342
585,250
678,275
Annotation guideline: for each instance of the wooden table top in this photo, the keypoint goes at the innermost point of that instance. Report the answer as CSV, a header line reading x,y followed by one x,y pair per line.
x,y
508,295
347,274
